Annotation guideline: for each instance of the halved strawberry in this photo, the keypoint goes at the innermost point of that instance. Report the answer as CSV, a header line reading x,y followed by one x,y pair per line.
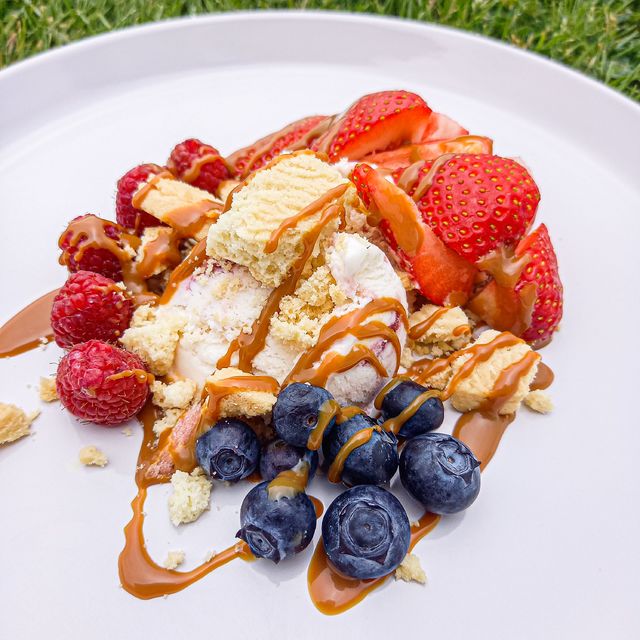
x,y
443,276
529,303
441,127
403,156
475,203
297,135
375,122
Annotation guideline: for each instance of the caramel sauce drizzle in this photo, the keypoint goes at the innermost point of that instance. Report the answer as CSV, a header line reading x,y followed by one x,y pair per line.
x,y
419,329
411,178
295,480
89,232
328,411
248,345
29,328
194,171
141,375
139,574
346,413
151,184
482,429
352,323
544,378
185,269
308,212
356,440
461,330
332,593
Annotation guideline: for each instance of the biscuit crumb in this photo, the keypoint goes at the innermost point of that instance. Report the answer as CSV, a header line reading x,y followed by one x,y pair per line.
x,y
126,431
410,570
14,422
174,559
167,421
210,556
190,497
92,456
539,401
248,404
175,395
154,337
47,389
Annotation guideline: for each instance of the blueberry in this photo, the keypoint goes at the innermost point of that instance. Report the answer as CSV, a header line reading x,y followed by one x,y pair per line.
x,y
428,417
366,532
228,451
279,456
275,529
374,462
441,472
296,412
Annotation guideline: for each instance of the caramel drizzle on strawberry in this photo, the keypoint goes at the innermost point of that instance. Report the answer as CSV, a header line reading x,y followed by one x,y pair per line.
x,y
410,179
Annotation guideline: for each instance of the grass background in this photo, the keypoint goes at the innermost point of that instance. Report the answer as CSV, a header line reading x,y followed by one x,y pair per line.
x,y
599,37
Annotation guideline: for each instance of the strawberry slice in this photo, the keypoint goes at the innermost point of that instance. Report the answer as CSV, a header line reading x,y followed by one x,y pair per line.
x,y
297,135
375,122
441,127
527,301
403,156
443,276
475,203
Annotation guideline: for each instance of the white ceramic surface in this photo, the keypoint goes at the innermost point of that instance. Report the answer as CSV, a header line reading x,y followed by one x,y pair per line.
x,y
550,549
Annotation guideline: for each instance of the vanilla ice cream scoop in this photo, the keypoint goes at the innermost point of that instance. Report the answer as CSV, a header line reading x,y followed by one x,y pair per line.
x,y
221,300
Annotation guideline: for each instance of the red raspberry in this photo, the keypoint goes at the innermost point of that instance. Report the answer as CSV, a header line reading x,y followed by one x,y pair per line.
x,y
89,389
183,159
100,244
89,307
127,215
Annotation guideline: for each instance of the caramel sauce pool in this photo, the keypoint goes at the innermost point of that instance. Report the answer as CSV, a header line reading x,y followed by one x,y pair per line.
x,y
29,328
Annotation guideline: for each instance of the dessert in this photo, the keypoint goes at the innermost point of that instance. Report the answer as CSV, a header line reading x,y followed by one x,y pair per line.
x,y
91,456
291,314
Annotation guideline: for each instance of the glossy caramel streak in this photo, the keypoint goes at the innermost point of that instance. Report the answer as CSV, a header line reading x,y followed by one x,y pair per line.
x,y
29,328
307,212
332,593
185,269
416,331
544,377
356,323
356,440
394,425
479,353
328,410
248,345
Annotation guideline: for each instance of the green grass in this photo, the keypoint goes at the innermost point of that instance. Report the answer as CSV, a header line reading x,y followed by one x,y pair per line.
x,y
598,37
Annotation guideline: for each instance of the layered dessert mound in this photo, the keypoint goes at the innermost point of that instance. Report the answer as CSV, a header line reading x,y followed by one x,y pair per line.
x,y
308,309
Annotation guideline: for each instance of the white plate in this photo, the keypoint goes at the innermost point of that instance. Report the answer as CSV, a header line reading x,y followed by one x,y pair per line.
x,y
550,549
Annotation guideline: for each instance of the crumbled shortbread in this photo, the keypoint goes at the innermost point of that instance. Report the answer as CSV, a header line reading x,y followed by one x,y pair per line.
x,y
175,395
273,194
47,390
449,332
127,431
476,388
190,497
154,335
247,404
302,315
539,401
210,555
14,422
149,235
167,421
169,195
174,559
92,456
410,570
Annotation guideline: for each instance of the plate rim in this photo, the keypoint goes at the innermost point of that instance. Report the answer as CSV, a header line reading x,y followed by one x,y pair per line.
x,y
169,24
